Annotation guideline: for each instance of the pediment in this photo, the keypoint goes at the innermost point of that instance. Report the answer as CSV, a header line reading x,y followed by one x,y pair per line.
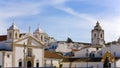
x,y
29,41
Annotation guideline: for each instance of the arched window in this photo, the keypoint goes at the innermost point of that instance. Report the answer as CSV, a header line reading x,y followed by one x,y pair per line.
x,y
29,52
101,35
10,35
16,35
95,35
20,63
92,54
41,38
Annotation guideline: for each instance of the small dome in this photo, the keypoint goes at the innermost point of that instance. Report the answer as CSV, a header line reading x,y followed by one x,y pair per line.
x,y
97,27
38,30
13,27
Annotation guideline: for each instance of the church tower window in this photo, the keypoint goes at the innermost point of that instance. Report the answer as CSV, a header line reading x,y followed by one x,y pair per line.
x,y
95,35
10,35
41,38
16,35
101,36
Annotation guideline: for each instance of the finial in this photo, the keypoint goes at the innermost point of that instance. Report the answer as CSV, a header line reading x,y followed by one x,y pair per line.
x,y
97,26
97,23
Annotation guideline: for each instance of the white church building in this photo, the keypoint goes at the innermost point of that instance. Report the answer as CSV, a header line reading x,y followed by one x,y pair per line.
x,y
22,50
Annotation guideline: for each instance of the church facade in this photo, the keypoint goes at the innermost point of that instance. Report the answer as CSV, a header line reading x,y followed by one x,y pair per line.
x,y
22,50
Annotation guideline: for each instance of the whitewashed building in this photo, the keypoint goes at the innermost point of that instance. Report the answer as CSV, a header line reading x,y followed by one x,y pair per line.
x,y
28,50
94,54
22,50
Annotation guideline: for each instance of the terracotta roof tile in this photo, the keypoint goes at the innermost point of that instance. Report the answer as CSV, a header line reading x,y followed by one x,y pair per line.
x,y
49,54
74,50
3,37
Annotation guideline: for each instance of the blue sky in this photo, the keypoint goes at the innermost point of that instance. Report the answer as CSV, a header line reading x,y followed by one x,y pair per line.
x,y
62,18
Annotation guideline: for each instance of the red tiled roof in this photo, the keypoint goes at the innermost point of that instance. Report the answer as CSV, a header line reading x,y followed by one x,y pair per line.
x,y
49,54
74,50
4,37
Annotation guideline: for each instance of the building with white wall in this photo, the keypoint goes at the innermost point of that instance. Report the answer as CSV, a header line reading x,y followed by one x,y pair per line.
x,y
94,54
28,50
22,50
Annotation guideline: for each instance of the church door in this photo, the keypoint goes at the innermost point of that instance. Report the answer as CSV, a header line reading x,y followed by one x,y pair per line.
x,y
29,64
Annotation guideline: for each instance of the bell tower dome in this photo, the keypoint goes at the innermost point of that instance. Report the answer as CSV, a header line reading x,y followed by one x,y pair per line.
x,y
39,34
97,36
12,33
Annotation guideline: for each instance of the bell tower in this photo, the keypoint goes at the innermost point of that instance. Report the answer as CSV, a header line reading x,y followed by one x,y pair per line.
x,y
97,36
39,34
12,33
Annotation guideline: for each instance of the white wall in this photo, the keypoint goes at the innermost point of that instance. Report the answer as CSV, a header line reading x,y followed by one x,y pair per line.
x,y
55,62
118,63
8,59
63,47
1,58
19,55
114,48
82,53
39,55
37,52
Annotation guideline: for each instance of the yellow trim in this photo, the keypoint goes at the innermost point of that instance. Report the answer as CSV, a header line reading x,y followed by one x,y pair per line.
x,y
108,54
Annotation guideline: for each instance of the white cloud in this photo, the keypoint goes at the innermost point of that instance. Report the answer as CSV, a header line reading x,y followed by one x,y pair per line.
x,y
11,10
112,28
19,9
110,23
3,27
73,12
59,1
